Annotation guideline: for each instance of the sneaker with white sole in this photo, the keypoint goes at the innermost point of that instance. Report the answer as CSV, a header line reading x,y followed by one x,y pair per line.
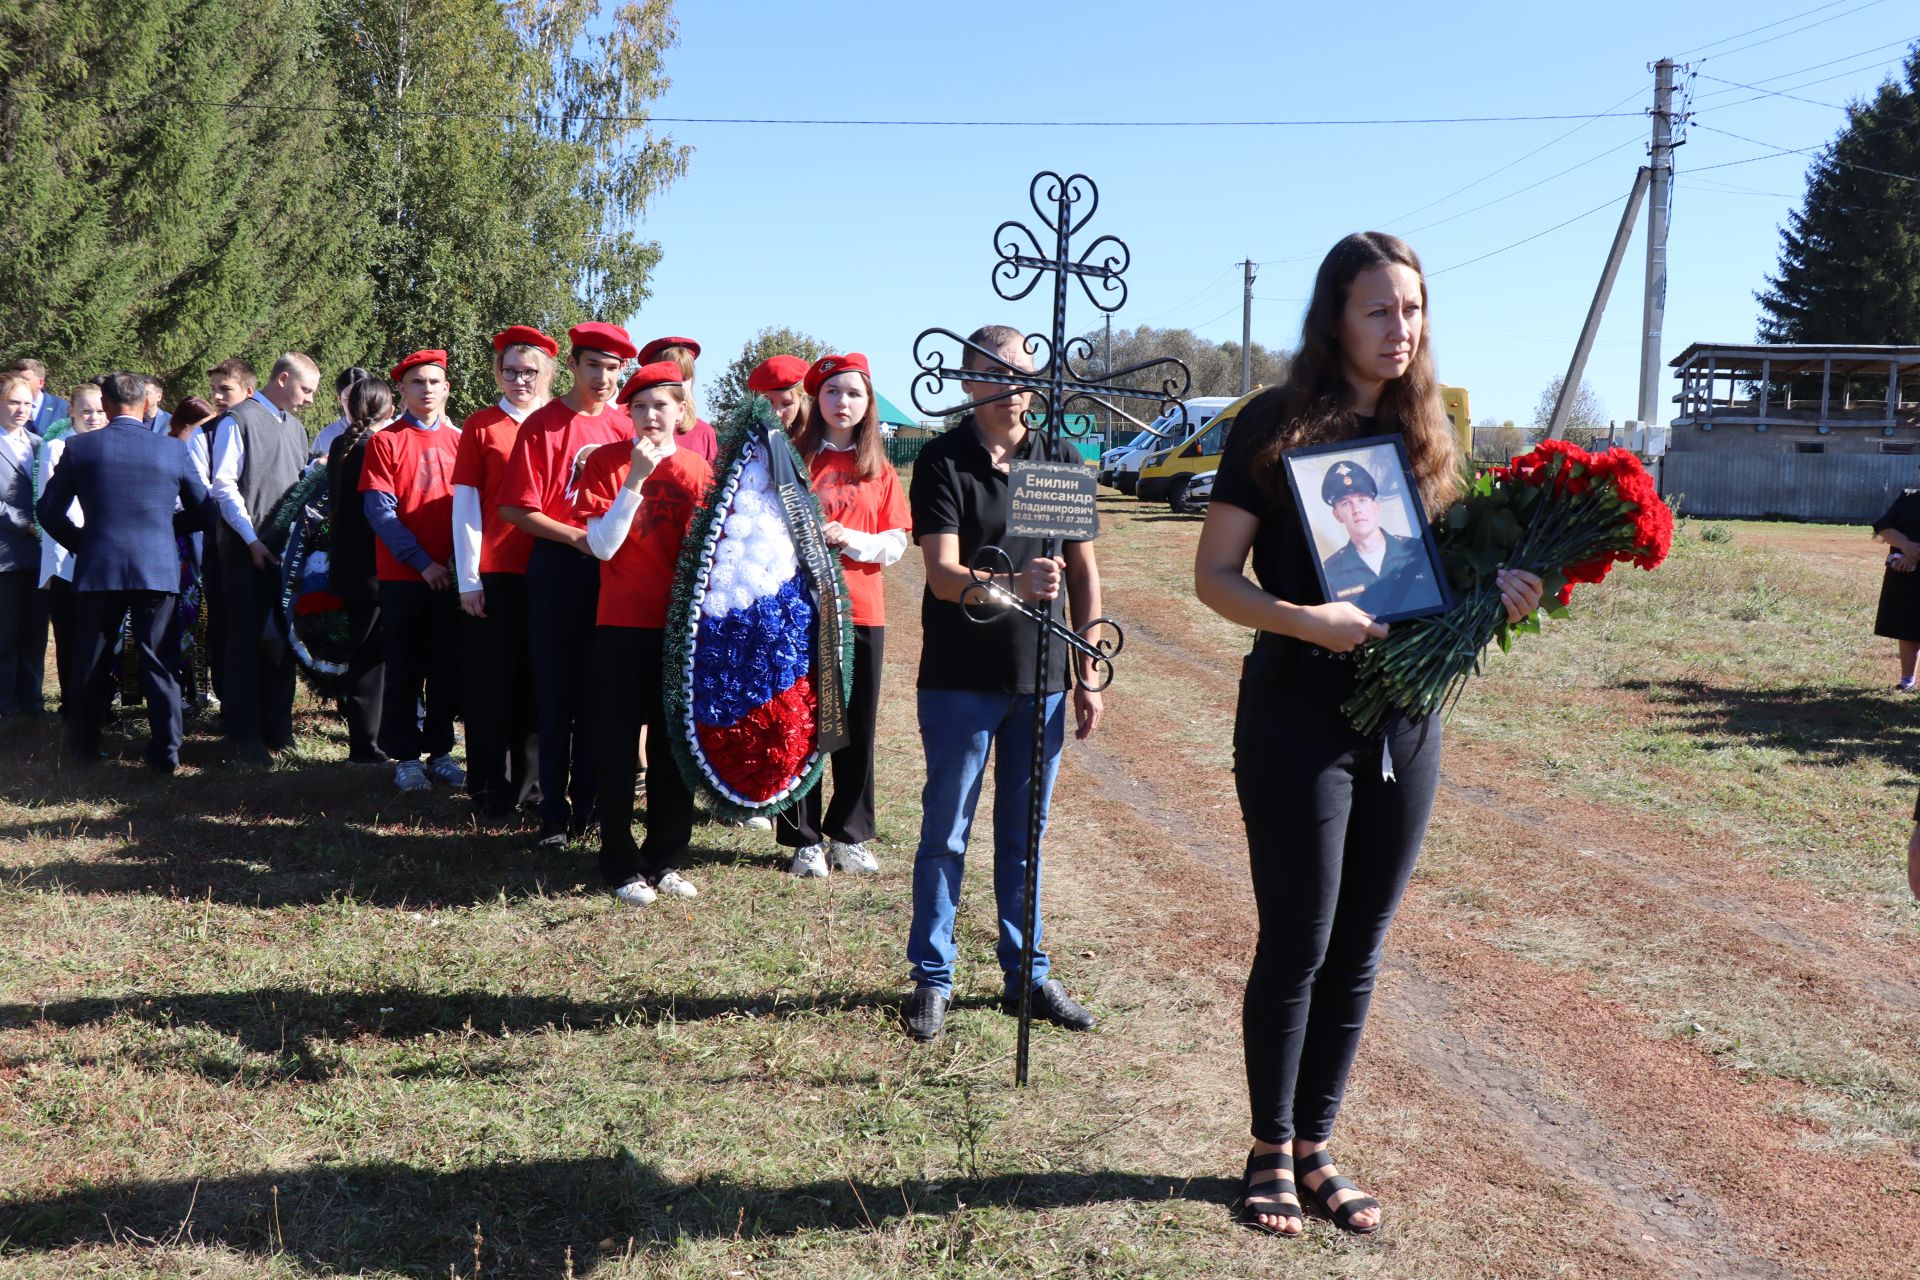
x,y
443,769
809,863
409,776
675,885
852,858
636,892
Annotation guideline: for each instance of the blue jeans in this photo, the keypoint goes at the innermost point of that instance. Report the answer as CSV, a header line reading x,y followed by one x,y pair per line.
x,y
957,730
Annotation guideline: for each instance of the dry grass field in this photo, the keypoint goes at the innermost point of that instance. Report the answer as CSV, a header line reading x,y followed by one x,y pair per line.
x,y
1652,1009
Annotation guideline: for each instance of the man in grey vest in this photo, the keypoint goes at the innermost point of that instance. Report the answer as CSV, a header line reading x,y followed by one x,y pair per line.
x,y
259,451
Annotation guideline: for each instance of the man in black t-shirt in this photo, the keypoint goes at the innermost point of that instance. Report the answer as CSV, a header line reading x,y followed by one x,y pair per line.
x,y
977,685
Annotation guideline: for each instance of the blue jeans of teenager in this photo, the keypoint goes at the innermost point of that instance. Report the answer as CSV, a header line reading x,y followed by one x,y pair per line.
x,y
958,729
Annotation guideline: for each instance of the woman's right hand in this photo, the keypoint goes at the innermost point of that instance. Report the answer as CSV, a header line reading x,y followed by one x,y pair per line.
x,y
1339,627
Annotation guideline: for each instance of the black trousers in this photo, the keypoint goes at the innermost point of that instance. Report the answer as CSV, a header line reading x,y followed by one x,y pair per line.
x,y
257,699
23,641
627,693
503,740
849,816
98,617
1331,846
68,651
563,590
420,628
366,678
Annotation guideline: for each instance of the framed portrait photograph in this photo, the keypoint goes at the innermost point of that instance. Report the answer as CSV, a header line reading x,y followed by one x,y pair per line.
x,y
1372,546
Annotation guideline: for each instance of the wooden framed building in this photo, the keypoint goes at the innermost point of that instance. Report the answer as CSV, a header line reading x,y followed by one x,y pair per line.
x,y
1797,398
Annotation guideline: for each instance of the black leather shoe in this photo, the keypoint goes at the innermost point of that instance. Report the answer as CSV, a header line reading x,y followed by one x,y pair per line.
x,y
552,838
925,1013
1051,1003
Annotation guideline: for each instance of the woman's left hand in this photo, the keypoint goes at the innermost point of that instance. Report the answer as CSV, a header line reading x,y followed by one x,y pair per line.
x,y
1520,591
833,533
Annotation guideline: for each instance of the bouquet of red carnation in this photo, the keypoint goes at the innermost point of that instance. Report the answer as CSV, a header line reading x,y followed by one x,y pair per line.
x,y
1559,511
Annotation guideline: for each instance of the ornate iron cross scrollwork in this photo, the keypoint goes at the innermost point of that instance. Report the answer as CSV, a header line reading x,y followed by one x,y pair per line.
x,y
1058,381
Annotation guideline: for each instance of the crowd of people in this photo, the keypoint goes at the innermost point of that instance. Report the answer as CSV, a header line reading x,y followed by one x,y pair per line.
x,y
505,583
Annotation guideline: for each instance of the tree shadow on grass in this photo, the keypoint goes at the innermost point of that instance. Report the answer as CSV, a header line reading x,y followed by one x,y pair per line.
x,y
295,1027
1816,723
386,1216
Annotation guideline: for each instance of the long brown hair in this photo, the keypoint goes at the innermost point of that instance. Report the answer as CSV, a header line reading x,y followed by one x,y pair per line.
x,y
1315,409
869,454
369,404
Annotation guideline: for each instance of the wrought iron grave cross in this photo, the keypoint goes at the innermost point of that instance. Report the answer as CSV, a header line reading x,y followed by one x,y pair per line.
x,y
1065,505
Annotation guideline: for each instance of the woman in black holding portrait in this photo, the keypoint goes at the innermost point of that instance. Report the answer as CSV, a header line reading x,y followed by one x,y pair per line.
x,y
1334,820
1898,617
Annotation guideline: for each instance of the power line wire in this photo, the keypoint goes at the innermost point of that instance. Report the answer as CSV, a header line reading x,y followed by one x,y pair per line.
x,y
1633,141
1529,239
1849,164
1740,35
1728,53
576,118
1800,71
1768,93
1211,286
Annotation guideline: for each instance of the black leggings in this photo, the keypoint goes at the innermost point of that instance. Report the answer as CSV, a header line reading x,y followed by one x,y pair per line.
x,y
849,817
1332,845
626,688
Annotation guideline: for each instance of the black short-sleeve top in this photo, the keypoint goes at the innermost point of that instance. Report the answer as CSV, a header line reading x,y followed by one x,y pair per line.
x,y
1282,551
1903,516
955,488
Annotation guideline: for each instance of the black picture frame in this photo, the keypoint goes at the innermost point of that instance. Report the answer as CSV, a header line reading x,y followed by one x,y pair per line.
x,y
1410,582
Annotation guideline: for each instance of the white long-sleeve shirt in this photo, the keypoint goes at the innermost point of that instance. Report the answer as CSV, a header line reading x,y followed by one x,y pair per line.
x,y
469,520
228,457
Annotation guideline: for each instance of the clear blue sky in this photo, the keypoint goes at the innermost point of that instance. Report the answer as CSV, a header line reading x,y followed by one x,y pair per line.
x,y
863,236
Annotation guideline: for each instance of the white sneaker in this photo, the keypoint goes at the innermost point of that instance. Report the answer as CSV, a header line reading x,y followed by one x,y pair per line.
x,y
758,822
851,857
443,769
675,885
809,863
636,892
409,776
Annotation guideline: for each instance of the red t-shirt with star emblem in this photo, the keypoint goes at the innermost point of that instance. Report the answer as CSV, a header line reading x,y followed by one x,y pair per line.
x,y
636,585
416,467
540,469
873,505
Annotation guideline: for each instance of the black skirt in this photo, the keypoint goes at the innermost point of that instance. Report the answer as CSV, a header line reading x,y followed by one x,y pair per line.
x,y
1899,614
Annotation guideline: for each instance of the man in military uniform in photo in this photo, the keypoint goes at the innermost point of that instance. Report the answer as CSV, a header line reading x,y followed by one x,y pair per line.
x,y
1377,571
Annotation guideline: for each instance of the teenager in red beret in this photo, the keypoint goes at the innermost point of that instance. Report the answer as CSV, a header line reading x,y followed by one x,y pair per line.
x,y
563,577
693,432
406,489
866,519
490,572
778,378
636,504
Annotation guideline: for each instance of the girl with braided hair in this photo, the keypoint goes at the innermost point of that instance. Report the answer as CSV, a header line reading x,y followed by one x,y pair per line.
x,y
369,404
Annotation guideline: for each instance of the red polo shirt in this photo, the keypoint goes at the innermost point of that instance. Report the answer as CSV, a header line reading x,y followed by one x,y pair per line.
x,y
873,505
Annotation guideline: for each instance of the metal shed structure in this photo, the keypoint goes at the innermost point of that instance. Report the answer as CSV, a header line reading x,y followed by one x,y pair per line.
x,y
1797,397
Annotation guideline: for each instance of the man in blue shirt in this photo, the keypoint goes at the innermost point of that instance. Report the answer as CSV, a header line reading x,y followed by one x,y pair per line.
x,y
127,482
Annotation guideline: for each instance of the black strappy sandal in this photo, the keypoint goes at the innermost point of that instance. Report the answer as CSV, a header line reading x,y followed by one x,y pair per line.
x,y
1343,1214
1253,1204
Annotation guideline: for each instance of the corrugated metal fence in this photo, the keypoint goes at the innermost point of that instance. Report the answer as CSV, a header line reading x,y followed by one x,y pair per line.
x,y
1850,488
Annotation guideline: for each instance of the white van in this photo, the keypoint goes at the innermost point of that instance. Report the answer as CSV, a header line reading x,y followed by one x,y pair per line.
x,y
1120,466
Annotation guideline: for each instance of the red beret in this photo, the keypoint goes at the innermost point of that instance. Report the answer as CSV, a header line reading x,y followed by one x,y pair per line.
x,y
524,335
595,335
776,372
657,374
429,355
651,352
827,366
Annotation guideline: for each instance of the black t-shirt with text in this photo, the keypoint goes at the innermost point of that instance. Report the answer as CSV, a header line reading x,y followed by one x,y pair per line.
x,y
956,489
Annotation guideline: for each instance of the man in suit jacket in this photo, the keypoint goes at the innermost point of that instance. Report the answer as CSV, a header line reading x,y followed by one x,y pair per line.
x,y
127,481
47,407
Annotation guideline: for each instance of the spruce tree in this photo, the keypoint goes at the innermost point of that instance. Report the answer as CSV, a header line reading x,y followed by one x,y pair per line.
x,y
1850,256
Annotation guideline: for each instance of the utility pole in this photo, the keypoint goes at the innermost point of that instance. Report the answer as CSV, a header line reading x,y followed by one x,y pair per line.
x,y
1654,306
1246,331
